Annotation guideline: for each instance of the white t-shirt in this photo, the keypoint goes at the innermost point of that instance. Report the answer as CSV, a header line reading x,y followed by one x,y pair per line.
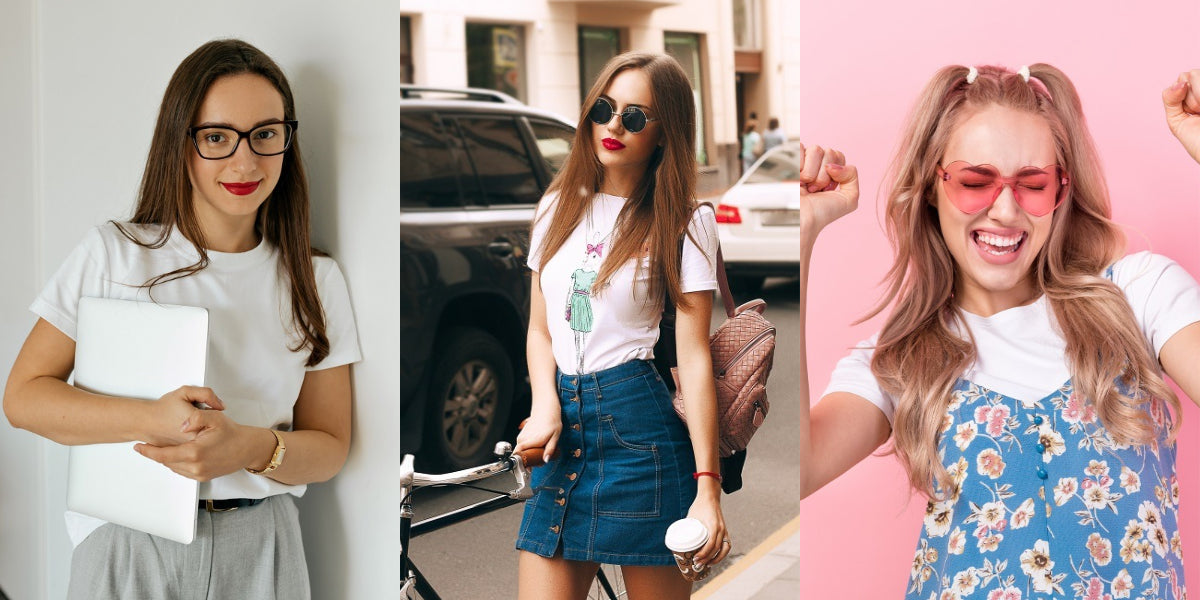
x,y
1020,352
250,366
594,330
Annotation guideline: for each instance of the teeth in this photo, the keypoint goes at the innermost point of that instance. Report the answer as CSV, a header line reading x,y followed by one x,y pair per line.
x,y
999,241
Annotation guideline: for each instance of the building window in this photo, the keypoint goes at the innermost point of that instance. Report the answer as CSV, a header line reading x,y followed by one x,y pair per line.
x,y
685,47
596,46
406,58
496,58
746,23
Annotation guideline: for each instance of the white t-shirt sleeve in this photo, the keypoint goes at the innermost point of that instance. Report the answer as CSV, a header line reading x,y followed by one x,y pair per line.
x,y
1164,297
541,223
339,316
698,264
853,375
82,274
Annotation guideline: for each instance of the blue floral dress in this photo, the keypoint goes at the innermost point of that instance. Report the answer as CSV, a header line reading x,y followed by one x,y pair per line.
x,y
1048,505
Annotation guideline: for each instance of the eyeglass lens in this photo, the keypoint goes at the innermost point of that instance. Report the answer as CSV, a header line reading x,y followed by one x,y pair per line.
x,y
633,118
222,142
972,188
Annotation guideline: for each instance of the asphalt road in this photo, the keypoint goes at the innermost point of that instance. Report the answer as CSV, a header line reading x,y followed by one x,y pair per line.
x,y
475,560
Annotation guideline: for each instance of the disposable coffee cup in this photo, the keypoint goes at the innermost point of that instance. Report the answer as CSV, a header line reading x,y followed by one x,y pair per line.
x,y
684,538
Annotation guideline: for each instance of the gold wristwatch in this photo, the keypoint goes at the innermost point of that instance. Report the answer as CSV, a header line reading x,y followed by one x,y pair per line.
x,y
276,457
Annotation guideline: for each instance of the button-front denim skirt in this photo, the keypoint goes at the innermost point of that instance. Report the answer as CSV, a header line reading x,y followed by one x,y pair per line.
x,y
623,472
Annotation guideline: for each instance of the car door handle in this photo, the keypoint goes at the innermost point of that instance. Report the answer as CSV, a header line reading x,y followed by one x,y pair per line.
x,y
500,248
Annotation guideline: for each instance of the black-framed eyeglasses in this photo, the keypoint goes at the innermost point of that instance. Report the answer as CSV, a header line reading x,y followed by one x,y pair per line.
x,y
633,118
215,143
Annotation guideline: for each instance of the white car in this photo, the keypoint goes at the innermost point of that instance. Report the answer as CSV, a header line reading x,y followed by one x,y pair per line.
x,y
758,220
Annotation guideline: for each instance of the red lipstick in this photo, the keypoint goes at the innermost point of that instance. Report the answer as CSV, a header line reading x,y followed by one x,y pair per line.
x,y
611,144
241,189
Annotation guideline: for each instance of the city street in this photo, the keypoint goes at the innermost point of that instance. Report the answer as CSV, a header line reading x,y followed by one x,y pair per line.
x,y
476,560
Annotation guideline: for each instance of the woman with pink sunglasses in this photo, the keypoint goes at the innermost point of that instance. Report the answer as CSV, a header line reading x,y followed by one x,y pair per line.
x,y
1020,373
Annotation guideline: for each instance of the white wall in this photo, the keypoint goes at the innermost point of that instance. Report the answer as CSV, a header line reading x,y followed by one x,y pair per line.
x,y
89,77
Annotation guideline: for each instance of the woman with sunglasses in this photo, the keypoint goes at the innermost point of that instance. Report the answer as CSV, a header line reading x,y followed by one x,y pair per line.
x,y
1020,374
221,222
616,235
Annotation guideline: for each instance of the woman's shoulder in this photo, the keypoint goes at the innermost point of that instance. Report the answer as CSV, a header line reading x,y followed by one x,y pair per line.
x,y
1137,267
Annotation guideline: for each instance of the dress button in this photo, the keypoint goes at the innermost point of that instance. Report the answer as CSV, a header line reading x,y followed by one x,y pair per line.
x,y
1041,448
574,398
554,528
572,476
1037,420
575,427
561,501
561,491
1041,473
577,452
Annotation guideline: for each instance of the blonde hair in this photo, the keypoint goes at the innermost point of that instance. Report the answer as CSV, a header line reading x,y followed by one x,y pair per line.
x,y
919,357
660,207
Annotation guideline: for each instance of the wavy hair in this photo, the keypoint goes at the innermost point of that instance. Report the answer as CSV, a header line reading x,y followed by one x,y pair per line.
x,y
919,355
165,197
659,209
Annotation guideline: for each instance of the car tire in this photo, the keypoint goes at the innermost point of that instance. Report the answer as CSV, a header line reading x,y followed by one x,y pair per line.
x,y
470,393
744,286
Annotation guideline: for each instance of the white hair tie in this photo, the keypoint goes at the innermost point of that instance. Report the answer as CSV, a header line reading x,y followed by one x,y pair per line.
x,y
972,74
1024,73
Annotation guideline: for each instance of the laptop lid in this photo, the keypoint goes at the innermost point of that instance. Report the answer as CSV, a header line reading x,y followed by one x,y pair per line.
x,y
136,350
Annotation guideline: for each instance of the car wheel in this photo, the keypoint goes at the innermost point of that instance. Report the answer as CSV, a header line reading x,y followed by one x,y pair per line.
x,y
746,285
471,390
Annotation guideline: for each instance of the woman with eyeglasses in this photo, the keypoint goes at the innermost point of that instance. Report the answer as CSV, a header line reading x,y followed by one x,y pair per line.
x,y
221,222
617,234
1020,373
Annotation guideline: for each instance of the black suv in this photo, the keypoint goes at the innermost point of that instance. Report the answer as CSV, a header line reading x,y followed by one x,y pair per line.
x,y
473,165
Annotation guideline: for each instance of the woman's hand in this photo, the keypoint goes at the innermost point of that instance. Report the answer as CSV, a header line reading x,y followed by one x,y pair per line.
x,y
170,414
707,509
219,446
829,190
541,431
1182,104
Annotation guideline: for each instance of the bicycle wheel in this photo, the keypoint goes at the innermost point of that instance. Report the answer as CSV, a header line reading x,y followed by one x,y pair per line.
x,y
611,575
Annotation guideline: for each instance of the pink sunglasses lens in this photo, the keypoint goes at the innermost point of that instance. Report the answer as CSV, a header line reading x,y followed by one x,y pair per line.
x,y
972,189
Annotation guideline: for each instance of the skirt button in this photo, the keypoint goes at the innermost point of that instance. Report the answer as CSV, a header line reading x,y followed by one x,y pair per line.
x,y
554,528
1041,473
575,427
572,476
577,452
560,501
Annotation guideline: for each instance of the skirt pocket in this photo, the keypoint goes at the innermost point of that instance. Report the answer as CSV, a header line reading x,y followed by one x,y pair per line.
x,y
630,475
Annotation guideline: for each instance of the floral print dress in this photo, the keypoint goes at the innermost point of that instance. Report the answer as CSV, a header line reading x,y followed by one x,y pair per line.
x,y
1048,505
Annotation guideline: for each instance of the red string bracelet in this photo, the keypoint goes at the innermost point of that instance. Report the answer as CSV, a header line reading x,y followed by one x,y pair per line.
x,y
699,474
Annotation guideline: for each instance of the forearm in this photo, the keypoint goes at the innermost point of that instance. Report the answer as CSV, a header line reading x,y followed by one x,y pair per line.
x,y
65,414
542,373
804,423
700,407
312,456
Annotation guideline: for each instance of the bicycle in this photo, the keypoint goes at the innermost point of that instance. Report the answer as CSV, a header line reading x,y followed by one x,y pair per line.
x,y
608,584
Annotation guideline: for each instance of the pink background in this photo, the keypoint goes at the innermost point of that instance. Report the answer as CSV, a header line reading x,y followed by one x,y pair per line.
x,y
864,62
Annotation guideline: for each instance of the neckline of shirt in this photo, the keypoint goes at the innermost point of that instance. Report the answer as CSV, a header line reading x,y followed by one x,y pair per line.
x,y
223,261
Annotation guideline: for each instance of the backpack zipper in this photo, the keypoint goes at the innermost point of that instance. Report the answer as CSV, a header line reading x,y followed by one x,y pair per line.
x,y
749,345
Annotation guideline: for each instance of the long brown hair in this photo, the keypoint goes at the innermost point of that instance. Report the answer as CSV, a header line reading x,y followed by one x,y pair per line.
x,y
165,197
919,356
659,209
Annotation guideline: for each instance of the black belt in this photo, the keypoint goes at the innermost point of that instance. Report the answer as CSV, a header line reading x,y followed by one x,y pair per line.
x,y
230,504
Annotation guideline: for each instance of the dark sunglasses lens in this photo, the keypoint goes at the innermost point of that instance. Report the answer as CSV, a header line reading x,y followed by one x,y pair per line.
x,y
601,112
633,119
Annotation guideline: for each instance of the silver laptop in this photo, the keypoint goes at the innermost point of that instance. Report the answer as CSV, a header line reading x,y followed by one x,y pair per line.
x,y
136,350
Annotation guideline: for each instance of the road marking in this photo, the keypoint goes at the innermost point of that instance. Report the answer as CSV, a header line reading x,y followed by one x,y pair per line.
x,y
718,583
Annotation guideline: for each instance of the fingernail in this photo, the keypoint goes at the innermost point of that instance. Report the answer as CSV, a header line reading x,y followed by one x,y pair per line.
x,y
1178,85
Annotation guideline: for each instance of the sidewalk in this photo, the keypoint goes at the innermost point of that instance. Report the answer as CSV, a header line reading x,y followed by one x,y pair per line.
x,y
771,571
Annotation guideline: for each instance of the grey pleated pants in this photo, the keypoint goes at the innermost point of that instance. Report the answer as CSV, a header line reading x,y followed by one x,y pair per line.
x,y
247,554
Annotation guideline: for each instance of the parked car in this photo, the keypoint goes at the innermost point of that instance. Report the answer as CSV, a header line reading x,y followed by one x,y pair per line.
x,y
758,220
473,164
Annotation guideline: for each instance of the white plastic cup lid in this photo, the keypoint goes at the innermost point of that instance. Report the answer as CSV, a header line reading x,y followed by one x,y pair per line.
x,y
686,535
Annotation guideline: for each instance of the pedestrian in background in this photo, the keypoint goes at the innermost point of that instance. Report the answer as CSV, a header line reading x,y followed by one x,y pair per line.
x,y
752,145
773,136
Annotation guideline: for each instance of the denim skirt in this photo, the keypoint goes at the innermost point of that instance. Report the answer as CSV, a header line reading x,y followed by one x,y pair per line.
x,y
623,472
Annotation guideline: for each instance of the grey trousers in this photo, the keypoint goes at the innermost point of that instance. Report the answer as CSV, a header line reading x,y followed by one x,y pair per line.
x,y
247,554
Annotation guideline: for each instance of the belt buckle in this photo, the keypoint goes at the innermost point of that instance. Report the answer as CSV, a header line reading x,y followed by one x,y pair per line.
x,y
208,506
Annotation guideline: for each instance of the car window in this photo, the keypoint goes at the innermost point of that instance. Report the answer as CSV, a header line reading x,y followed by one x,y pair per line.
x,y
783,164
429,172
554,143
496,150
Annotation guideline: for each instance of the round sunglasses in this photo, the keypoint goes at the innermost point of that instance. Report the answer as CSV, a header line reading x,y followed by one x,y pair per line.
x,y
633,118
972,188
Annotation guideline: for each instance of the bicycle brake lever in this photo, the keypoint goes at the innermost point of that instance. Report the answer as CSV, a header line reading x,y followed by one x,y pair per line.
x,y
521,474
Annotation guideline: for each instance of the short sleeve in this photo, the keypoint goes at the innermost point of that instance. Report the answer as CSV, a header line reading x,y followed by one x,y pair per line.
x,y
853,375
698,266
83,274
339,316
541,223
1164,297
